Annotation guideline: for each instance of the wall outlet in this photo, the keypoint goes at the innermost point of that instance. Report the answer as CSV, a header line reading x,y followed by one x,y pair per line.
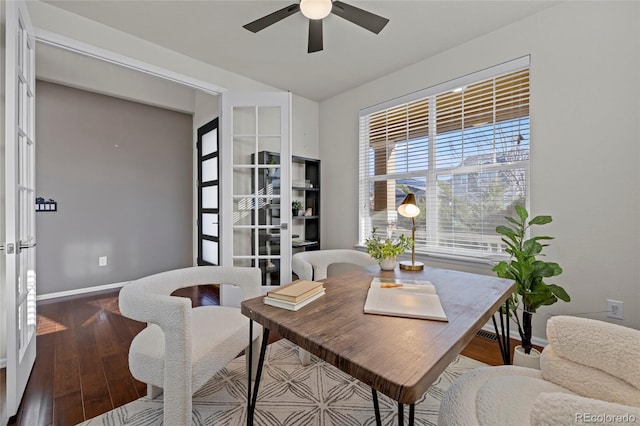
x,y
614,309
102,261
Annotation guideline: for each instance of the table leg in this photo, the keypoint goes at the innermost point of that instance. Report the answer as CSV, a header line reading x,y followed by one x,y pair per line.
x,y
412,414
250,356
251,401
503,337
376,407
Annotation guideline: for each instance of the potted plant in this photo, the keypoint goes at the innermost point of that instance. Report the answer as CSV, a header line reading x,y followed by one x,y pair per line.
x,y
385,251
296,206
529,273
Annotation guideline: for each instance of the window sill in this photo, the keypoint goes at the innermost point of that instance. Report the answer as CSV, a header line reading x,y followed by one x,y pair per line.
x,y
483,262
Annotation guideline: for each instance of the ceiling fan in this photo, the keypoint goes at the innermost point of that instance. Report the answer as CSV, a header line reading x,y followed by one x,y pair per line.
x,y
316,11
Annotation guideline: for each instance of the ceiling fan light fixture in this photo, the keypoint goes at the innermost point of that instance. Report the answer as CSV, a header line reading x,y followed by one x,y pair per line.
x,y
315,9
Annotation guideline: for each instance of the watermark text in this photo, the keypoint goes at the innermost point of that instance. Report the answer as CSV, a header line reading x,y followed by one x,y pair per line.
x,y
605,418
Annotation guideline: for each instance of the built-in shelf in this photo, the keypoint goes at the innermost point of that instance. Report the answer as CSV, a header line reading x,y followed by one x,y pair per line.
x,y
305,172
303,244
304,188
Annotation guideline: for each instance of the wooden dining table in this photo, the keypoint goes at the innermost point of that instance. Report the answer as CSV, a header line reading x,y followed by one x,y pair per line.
x,y
399,357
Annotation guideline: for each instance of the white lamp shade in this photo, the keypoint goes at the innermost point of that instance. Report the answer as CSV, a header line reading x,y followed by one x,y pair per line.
x,y
408,208
315,9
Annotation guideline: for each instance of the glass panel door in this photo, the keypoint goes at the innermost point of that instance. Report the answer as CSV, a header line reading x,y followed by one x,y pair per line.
x,y
208,194
257,126
19,199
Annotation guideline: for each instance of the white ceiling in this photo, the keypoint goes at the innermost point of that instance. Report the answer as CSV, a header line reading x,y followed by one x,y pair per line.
x,y
212,32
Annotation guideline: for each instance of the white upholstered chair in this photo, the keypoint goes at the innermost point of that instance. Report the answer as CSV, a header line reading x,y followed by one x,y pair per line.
x,y
589,368
313,265
182,348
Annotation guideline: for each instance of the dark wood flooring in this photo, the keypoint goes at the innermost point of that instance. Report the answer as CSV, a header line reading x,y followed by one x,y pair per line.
x,y
81,369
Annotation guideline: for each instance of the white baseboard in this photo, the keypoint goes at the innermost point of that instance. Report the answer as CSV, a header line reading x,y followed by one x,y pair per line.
x,y
3,363
77,291
515,335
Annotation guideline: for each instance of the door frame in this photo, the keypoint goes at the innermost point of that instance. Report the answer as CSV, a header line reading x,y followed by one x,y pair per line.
x,y
86,49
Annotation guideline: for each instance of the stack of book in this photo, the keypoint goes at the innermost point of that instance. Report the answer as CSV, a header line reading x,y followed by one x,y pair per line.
x,y
295,295
404,298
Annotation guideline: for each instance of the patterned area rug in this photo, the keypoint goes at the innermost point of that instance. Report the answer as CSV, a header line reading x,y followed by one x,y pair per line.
x,y
290,394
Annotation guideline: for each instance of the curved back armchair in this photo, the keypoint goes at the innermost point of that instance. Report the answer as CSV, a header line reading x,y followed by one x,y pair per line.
x,y
182,348
589,367
313,265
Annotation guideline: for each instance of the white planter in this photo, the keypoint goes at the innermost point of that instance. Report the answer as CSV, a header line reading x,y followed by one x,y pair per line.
x,y
521,359
388,264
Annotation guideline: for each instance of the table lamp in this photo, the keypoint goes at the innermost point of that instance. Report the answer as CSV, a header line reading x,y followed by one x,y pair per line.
x,y
409,208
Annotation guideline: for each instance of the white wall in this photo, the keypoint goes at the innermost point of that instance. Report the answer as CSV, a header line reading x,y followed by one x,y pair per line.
x,y
62,66
585,171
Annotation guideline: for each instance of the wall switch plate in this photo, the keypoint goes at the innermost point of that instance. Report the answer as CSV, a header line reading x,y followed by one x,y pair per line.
x,y
615,309
102,261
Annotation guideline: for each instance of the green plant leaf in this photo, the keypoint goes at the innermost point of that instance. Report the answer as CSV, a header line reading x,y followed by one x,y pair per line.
x,y
503,270
541,237
540,220
512,220
508,232
531,247
522,213
559,292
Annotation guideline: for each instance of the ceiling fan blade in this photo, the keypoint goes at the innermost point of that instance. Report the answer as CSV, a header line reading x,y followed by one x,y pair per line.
x,y
265,21
366,20
315,35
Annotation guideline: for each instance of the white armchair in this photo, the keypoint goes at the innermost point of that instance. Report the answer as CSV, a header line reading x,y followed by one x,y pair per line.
x,y
589,368
313,265
182,348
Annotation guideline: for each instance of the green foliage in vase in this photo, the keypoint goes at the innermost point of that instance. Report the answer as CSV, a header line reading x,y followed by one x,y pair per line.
x,y
380,249
527,271
296,205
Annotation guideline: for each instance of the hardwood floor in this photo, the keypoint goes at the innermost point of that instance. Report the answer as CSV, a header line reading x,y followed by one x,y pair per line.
x,y
82,371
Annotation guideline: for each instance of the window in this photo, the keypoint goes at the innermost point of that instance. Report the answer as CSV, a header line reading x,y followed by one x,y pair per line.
x,y
462,148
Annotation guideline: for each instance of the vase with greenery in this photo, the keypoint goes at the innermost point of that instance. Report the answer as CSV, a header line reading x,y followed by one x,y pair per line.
x,y
296,206
381,249
528,272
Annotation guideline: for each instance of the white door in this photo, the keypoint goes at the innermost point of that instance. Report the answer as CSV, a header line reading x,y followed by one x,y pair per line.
x,y
20,229
256,185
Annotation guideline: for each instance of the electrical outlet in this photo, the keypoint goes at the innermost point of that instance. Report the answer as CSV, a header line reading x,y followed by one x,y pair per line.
x,y
615,309
102,261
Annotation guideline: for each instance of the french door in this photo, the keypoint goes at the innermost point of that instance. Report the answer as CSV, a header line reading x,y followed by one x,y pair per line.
x,y
20,232
256,189
208,194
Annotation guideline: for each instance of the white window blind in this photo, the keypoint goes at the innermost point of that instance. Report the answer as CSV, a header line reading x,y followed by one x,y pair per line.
x,y
462,148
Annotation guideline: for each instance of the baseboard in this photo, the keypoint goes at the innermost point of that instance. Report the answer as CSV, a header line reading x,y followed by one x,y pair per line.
x,y
3,363
514,335
77,291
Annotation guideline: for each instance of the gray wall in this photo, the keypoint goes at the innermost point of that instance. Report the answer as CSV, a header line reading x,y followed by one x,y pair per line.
x,y
121,173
